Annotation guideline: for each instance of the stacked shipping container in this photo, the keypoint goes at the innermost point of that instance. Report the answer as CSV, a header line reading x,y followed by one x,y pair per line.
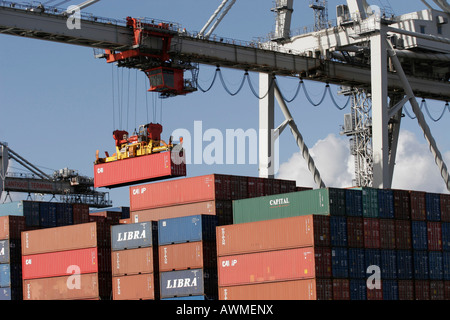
x,y
395,235
188,258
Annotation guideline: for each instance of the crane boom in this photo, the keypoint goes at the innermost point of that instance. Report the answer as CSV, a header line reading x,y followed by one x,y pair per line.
x,y
114,35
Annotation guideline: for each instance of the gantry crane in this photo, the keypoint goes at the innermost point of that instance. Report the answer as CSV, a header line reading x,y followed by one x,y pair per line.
x,y
354,53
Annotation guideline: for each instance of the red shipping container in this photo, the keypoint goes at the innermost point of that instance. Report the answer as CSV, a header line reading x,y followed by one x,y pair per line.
x,y
355,232
341,289
323,262
422,289
375,293
281,290
402,204
371,233
324,289
277,234
11,227
132,261
134,287
406,290
74,287
418,208
447,290
80,213
437,290
403,234
434,236
139,169
61,263
268,266
387,234
189,255
445,207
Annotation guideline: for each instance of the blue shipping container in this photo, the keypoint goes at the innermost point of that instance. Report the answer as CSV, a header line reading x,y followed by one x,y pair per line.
x,y
64,214
187,229
446,265
339,262
372,257
404,264
390,289
5,294
419,235
338,231
133,235
192,282
353,203
47,214
420,263
385,203
388,264
433,206
435,265
358,289
445,227
356,264
28,209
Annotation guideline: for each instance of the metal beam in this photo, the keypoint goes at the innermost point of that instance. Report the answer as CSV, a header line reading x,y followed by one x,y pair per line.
x,y
266,126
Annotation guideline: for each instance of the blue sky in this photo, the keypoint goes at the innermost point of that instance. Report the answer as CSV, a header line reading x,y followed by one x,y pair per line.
x,y
56,100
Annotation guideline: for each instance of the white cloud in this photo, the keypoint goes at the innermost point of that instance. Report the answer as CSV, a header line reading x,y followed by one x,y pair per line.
x,y
415,167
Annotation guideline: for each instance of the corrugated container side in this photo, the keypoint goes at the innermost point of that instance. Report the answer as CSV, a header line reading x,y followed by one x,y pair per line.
x,y
134,287
266,235
11,227
445,231
10,251
387,234
435,265
282,290
338,231
47,214
60,263
370,202
356,264
419,235
375,293
279,265
80,213
372,257
447,290
402,204
59,238
437,290
187,229
420,263
422,289
446,264
139,169
132,261
434,236
339,261
433,206
388,264
323,262
324,289
403,234
406,290
405,264
64,214
358,289
386,204
10,275
284,205
355,232
371,232
390,290
418,207
188,255
56,288
445,207
189,283
341,289
353,203
133,235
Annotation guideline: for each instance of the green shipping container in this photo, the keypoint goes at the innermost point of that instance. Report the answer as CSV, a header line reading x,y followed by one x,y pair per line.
x,y
327,201
369,202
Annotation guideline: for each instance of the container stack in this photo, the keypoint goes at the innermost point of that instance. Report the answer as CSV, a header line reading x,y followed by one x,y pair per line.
x,y
188,257
134,260
383,244
10,257
210,195
63,263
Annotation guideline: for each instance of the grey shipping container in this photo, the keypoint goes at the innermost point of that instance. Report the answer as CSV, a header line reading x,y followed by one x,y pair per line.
x,y
187,229
133,235
10,251
192,282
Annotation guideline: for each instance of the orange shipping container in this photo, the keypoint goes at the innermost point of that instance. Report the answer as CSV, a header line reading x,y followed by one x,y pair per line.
x,y
277,234
282,290
270,266
134,287
59,239
133,261
74,287
11,227
189,255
